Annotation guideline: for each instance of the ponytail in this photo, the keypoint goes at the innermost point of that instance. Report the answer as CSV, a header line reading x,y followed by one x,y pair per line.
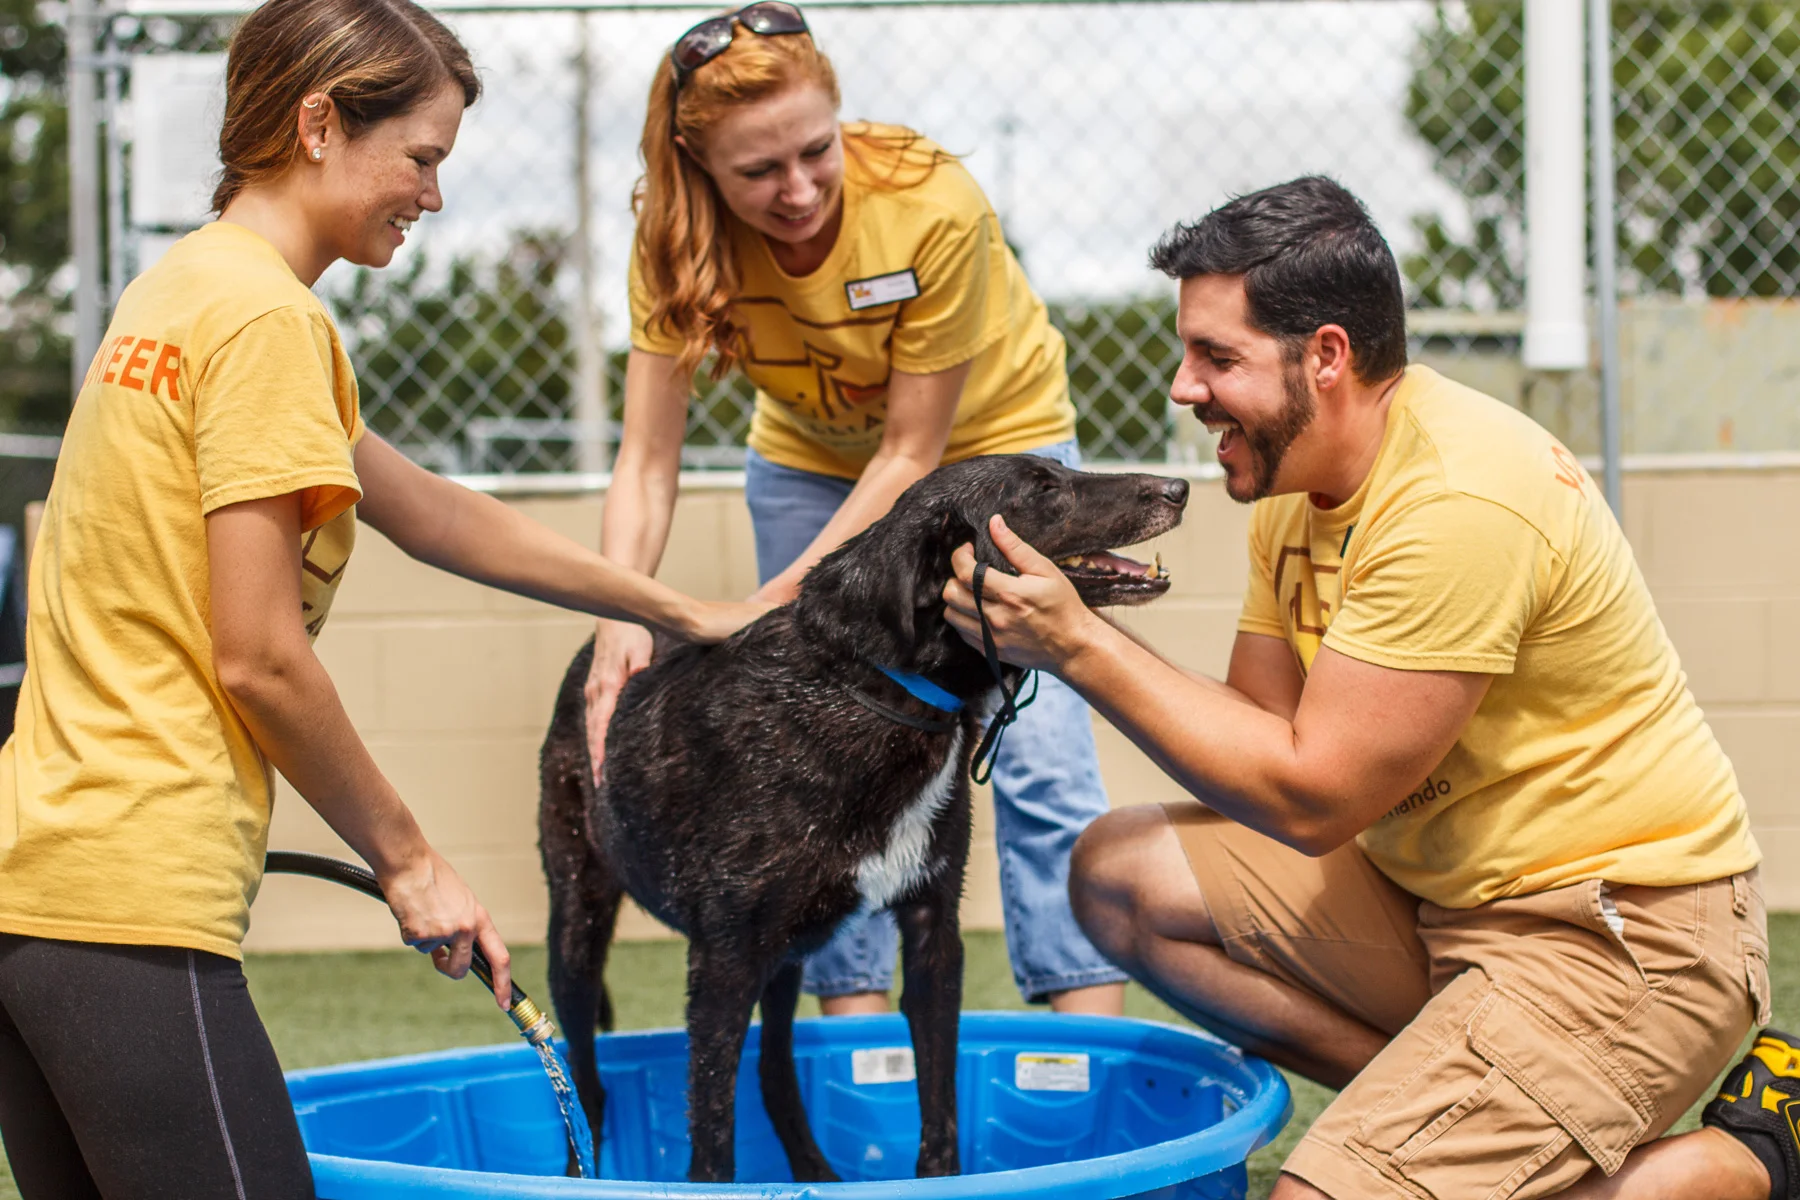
x,y
682,244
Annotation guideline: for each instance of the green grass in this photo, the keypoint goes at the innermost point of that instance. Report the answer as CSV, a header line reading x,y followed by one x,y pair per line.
x,y
329,1008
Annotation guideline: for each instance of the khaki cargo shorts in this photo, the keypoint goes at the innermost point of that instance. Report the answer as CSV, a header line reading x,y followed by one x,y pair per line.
x,y
1533,1038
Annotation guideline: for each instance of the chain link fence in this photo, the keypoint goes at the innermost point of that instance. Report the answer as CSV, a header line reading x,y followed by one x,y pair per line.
x,y
496,342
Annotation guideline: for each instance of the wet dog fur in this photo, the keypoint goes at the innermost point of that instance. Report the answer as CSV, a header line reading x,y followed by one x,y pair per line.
x,y
750,802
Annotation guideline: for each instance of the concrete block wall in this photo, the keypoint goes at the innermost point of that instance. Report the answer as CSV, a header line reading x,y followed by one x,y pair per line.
x,y
1723,560
452,684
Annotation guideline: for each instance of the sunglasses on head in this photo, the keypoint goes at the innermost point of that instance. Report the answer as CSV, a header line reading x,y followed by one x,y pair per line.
x,y
707,40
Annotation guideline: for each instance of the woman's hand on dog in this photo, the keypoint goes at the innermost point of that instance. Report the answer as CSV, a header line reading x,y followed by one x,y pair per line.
x,y
1037,620
440,916
717,620
621,650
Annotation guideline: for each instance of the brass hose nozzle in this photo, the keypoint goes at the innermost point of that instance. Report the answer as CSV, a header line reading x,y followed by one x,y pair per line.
x,y
533,1024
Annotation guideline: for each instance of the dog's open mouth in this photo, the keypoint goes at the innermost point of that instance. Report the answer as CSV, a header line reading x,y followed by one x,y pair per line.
x,y
1117,577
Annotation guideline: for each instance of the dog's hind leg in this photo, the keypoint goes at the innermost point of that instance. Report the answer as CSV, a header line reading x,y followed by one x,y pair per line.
x,y
780,1083
582,914
931,954
584,904
723,986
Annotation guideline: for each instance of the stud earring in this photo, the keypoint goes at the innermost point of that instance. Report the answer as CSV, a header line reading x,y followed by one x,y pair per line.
x,y
317,154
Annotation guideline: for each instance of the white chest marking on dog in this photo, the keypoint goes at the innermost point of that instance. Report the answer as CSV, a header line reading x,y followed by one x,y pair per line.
x,y
883,878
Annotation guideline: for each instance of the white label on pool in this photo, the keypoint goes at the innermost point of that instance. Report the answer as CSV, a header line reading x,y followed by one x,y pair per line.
x,y
1051,1072
883,1064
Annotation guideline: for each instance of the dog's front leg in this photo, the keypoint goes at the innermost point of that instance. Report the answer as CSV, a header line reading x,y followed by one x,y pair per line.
x,y
722,989
931,953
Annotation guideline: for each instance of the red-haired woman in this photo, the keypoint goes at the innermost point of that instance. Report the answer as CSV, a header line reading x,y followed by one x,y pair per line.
x,y
201,517
857,275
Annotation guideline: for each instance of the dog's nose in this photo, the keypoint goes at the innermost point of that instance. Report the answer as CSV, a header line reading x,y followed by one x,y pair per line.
x,y
1175,491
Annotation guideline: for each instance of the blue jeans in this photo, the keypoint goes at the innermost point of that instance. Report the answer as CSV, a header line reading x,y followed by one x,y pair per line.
x,y
1046,786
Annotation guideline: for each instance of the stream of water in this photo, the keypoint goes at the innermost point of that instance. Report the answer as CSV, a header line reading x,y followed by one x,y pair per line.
x,y
580,1138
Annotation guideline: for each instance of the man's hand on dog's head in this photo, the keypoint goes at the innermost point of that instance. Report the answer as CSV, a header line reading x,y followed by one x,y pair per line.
x,y
1037,620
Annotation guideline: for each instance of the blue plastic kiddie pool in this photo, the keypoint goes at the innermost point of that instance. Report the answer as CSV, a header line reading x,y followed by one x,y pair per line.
x,y
1050,1107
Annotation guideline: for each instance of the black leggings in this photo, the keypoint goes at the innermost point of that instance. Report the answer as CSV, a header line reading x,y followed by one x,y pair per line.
x,y
140,1071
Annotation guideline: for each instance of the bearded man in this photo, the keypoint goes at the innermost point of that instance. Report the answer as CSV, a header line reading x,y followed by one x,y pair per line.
x,y
1464,845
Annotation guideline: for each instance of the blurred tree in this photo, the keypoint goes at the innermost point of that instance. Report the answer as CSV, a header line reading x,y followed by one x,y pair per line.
x,y
34,220
1122,358
479,339
1707,153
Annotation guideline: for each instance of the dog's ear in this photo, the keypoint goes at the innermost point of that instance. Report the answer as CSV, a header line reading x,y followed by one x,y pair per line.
x,y
983,541
913,574
883,574
889,589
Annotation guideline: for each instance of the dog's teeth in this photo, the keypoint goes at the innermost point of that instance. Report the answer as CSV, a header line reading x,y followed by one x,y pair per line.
x,y
1073,560
1157,571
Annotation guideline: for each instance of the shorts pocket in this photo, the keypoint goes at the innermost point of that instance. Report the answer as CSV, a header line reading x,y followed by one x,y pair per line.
x,y
1504,1094
1756,968
1573,1084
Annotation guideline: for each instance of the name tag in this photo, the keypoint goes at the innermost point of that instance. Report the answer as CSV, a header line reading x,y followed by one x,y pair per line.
x,y
882,289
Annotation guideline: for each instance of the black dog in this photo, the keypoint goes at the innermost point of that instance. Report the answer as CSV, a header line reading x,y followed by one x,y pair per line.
x,y
758,792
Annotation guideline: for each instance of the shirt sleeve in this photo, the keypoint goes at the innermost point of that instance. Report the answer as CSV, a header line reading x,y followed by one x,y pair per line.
x,y
642,336
949,322
1449,584
268,420
1262,611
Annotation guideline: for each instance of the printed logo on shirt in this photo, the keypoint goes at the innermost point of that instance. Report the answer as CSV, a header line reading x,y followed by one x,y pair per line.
x,y
1308,592
1568,468
882,289
1431,789
139,364
324,553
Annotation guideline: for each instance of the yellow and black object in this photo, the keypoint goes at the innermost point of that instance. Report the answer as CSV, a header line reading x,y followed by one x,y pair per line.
x,y
1759,1104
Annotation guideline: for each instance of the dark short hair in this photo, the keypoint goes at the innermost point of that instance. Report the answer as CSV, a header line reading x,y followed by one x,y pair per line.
x,y
1310,256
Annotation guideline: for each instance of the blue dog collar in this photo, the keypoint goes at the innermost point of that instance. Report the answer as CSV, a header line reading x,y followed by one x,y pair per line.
x,y
921,688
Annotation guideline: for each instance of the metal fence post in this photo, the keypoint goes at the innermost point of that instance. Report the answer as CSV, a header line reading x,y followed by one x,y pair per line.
x,y
1606,240
112,67
84,189
591,440
1556,335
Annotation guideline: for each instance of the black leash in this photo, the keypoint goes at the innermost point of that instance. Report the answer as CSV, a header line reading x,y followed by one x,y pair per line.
x,y
893,714
981,768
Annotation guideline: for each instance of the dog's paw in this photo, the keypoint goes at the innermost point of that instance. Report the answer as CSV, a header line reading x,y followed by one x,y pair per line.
x,y
936,1165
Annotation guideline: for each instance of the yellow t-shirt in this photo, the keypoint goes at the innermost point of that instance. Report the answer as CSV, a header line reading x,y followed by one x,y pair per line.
x,y
134,806
920,280
1478,543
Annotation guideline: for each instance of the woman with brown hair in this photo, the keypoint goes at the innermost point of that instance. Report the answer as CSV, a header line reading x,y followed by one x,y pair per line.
x,y
857,275
201,517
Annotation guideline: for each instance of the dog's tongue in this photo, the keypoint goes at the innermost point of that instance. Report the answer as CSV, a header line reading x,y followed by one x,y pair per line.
x,y
1108,561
